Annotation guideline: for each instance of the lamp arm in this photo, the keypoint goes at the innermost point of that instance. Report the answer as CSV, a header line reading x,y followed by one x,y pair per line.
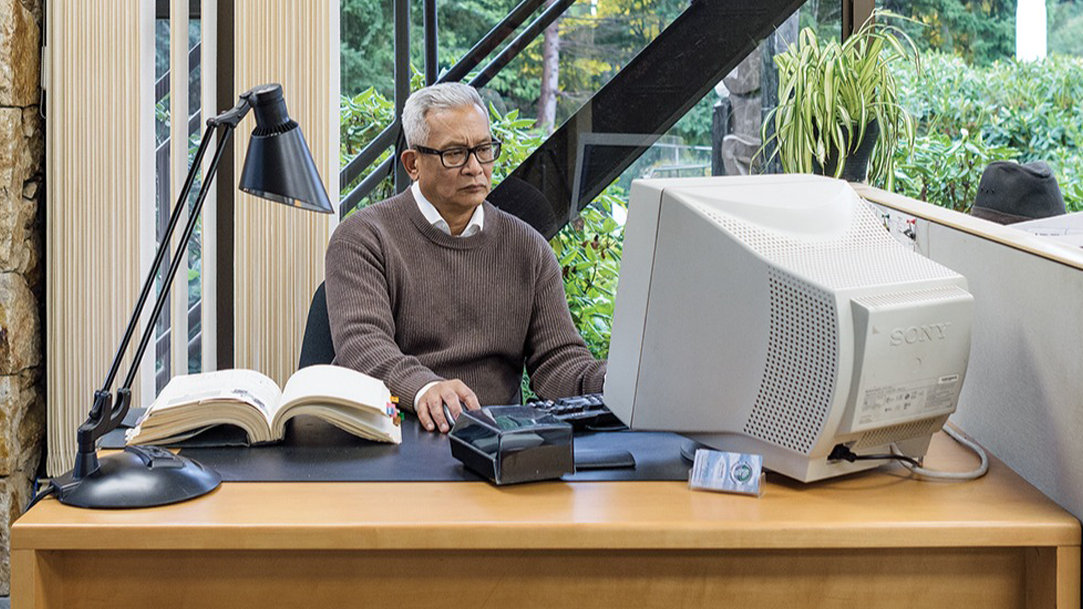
x,y
179,256
106,415
148,283
234,115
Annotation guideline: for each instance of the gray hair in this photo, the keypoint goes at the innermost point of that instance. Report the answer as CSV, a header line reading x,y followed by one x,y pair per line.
x,y
443,96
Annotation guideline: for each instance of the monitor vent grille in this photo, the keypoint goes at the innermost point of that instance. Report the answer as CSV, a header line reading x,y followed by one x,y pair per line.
x,y
897,433
913,297
865,254
802,358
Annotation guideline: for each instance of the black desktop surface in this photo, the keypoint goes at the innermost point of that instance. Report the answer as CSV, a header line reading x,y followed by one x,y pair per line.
x,y
316,451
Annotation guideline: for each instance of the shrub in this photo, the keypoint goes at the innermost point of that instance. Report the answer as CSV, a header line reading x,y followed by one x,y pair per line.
x,y
945,171
968,116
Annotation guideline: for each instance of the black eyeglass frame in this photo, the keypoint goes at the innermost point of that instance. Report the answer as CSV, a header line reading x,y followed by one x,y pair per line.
x,y
495,144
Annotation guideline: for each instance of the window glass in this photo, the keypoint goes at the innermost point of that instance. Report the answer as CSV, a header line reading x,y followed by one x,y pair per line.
x,y
164,203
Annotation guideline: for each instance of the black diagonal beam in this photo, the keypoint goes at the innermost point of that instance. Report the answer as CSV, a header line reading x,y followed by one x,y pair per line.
x,y
647,97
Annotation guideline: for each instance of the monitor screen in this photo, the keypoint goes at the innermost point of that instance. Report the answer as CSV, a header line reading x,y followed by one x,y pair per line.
x,y
776,315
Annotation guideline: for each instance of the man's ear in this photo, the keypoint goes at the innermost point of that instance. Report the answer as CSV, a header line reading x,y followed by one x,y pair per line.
x,y
409,161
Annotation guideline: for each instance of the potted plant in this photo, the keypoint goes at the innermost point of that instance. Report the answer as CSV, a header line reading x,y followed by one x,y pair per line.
x,y
842,97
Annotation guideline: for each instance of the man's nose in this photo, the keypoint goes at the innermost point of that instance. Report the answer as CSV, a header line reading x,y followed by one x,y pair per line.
x,y
473,165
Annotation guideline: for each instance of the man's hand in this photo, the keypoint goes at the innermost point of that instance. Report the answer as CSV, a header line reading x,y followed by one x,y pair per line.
x,y
454,393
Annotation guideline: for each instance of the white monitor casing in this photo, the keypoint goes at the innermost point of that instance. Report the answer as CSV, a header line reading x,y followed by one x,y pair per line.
x,y
776,315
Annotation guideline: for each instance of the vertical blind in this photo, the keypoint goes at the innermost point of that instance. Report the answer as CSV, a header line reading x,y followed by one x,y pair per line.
x,y
279,251
99,108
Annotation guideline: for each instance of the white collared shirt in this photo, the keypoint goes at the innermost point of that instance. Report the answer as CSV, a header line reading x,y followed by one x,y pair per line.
x,y
432,215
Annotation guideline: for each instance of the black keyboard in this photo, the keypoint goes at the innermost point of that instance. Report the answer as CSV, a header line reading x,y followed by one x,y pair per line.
x,y
584,412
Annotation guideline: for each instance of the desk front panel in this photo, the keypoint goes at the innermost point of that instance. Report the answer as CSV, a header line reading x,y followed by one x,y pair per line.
x,y
880,577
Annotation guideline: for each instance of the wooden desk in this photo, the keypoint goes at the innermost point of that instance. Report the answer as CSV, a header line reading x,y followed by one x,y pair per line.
x,y
876,539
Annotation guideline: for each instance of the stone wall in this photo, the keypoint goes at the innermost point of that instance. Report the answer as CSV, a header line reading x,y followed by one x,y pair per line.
x,y
22,403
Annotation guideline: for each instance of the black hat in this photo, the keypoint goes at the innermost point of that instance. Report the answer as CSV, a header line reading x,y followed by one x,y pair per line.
x,y
1009,192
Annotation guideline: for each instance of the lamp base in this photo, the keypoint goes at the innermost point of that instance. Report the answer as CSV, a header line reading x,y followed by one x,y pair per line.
x,y
141,476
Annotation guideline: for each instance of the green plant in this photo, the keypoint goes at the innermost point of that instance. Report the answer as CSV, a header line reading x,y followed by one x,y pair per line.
x,y
829,93
946,171
589,252
519,139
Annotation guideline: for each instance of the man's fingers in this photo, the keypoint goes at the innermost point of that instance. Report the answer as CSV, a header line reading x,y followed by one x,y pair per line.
x,y
437,413
424,417
454,393
466,395
449,397
471,401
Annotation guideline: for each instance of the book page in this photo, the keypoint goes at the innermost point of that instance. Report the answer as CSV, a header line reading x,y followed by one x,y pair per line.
x,y
361,423
355,402
335,384
247,386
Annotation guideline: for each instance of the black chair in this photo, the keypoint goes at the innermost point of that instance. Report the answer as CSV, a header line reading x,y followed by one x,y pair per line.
x,y
316,346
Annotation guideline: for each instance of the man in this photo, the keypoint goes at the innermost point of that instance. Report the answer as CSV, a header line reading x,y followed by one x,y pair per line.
x,y
440,293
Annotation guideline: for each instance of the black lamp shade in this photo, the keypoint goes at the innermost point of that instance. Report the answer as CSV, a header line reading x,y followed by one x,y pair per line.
x,y
279,167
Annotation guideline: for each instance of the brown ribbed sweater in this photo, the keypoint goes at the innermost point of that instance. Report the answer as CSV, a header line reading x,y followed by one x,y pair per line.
x,y
411,304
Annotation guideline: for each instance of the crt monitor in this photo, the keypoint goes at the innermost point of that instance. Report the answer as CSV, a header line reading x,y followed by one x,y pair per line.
x,y
776,315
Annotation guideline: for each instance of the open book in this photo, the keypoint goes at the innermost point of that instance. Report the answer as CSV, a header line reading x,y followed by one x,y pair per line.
x,y
191,404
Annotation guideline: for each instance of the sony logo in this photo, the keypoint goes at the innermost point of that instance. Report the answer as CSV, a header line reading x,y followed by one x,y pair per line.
x,y
919,334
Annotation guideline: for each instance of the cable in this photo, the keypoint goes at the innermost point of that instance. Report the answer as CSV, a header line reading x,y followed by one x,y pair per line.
x,y
932,474
49,490
843,452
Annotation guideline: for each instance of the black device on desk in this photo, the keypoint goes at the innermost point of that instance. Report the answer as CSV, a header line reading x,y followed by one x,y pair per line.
x,y
512,444
583,413
586,412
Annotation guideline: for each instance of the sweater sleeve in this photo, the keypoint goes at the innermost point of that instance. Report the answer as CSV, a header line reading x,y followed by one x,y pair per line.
x,y
557,360
362,323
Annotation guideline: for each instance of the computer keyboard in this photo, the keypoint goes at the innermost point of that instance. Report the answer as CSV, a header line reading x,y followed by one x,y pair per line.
x,y
584,412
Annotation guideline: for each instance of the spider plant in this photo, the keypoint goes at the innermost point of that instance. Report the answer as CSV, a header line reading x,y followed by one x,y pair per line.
x,y
830,93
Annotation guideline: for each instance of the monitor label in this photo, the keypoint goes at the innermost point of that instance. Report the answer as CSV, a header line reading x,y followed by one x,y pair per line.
x,y
908,401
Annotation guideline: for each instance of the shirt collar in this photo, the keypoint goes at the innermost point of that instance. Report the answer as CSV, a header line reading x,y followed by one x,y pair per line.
x,y
433,217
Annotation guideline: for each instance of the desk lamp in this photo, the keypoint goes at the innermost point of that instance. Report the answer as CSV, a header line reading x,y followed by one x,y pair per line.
x,y
278,167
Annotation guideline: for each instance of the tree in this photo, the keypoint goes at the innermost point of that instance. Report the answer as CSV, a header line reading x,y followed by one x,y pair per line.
x,y
981,31
367,46
550,80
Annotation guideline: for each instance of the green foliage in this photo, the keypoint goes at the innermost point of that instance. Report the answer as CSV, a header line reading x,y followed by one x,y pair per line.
x,y
694,128
1066,27
980,31
824,16
363,117
367,46
829,92
518,137
944,170
970,115
589,251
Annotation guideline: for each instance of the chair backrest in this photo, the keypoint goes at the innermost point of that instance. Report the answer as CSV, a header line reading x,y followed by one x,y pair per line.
x,y
316,346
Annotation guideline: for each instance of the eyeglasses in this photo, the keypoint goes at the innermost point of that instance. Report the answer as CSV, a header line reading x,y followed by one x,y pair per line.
x,y
453,158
